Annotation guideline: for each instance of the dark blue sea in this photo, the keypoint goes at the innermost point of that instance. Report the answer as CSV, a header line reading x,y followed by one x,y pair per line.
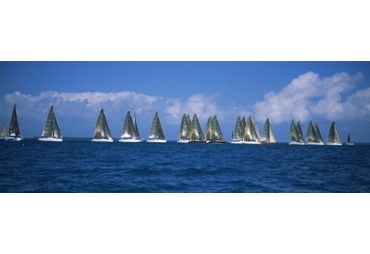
x,y
78,165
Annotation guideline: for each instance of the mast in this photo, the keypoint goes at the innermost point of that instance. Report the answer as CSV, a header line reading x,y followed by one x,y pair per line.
x,y
348,138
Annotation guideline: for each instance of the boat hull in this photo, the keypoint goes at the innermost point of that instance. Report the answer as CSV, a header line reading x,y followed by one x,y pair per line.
x,y
348,144
51,139
333,144
183,141
251,143
131,140
236,142
10,138
314,144
268,143
101,140
296,143
156,141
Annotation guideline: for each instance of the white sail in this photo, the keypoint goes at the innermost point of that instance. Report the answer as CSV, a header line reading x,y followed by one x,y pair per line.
x,y
14,131
251,133
101,131
268,136
51,131
130,132
156,134
333,137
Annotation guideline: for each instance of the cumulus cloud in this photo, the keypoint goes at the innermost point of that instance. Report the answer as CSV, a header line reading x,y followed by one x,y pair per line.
x,y
310,96
88,104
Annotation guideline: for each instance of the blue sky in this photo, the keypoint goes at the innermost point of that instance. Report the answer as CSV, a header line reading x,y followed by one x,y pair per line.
x,y
317,91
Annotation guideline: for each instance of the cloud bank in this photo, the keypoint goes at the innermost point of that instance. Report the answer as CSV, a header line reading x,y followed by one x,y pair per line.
x,y
310,97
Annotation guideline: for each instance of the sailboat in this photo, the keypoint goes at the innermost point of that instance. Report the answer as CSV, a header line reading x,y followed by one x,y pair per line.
x,y
3,131
268,136
348,143
184,134
295,138
101,131
14,131
196,134
333,138
51,130
251,133
312,137
318,134
130,131
237,135
213,131
156,134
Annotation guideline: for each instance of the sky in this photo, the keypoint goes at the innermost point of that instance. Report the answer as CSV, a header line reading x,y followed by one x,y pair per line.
x,y
321,92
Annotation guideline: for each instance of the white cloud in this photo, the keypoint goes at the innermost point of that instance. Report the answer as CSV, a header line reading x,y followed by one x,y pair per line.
x,y
310,96
88,104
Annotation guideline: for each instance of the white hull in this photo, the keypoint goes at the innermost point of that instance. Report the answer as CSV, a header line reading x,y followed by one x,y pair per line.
x,y
296,143
251,143
314,144
156,141
348,144
183,141
51,139
131,140
236,142
13,138
101,140
333,144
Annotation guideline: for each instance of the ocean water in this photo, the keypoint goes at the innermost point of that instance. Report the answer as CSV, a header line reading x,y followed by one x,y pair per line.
x,y
78,165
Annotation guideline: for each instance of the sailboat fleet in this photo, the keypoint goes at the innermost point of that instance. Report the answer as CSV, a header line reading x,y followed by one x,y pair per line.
x,y
244,132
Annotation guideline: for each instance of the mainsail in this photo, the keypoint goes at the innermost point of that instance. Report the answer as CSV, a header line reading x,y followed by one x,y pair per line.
x,y
196,133
300,132
312,137
237,136
251,135
333,138
51,131
101,131
14,131
317,133
184,133
268,136
130,132
156,132
214,133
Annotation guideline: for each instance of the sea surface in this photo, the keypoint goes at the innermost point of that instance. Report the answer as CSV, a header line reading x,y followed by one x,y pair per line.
x,y
78,165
